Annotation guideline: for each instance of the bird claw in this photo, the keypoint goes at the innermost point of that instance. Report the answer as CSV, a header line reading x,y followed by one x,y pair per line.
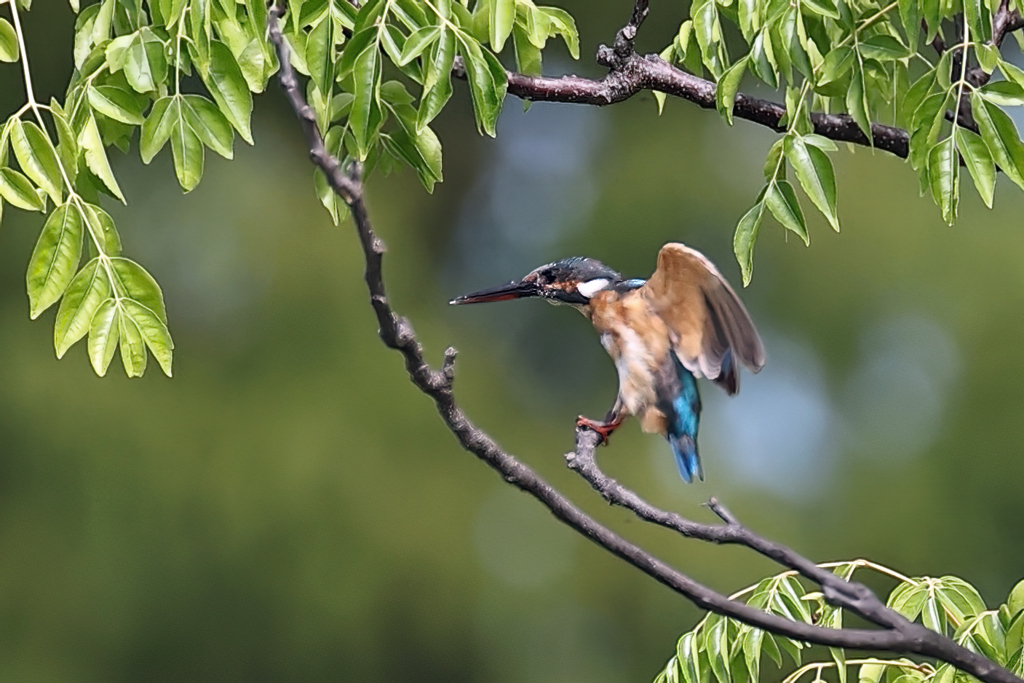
x,y
603,429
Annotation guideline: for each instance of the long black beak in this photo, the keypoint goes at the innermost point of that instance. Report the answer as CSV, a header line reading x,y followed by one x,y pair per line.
x,y
513,290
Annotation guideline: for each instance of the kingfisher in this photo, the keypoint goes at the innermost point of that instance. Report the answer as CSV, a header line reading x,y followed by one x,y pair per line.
x,y
683,323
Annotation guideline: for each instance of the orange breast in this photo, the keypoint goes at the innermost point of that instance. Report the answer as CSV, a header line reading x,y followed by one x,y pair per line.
x,y
638,341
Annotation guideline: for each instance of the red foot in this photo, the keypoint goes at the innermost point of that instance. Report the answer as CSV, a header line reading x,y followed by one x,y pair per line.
x,y
603,429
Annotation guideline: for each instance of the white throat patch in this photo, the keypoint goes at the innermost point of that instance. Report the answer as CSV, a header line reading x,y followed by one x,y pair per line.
x,y
592,287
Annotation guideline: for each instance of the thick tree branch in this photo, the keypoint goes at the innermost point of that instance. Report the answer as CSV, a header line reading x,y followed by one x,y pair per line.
x,y
635,73
395,331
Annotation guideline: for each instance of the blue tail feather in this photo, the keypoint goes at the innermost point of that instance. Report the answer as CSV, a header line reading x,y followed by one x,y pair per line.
x,y
687,458
683,421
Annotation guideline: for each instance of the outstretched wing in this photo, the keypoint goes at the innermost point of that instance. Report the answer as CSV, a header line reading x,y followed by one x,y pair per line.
x,y
711,329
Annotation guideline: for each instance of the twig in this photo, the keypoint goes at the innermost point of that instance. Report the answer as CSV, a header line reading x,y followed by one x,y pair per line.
x,y
396,332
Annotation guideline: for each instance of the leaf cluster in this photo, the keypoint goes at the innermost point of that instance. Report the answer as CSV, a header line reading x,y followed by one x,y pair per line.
x,y
363,62
721,650
182,74
878,62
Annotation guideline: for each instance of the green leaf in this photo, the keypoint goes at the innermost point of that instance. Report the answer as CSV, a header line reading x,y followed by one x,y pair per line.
x,y
84,25
8,42
910,17
18,190
209,124
528,55
708,30
87,291
979,163
763,65
979,32
839,657
816,175
743,241
908,599
689,50
392,40
328,197
1006,93
988,57
366,74
752,652
660,98
227,85
931,14
728,85
103,335
96,157
915,95
1015,601
771,648
563,25
883,48
960,598
782,202
101,228
37,157
418,41
836,65
857,103
135,283
945,674
717,646
437,82
320,54
870,673
749,18
502,15
187,151
822,143
67,144
420,150
145,65
688,656
151,330
116,103
1011,72
932,614
1000,135
487,84
54,259
794,37
825,8
156,130
773,160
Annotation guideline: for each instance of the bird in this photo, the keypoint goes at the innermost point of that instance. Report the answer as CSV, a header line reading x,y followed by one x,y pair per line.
x,y
683,323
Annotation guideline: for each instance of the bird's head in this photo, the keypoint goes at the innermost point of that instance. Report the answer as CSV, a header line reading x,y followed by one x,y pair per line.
x,y
571,281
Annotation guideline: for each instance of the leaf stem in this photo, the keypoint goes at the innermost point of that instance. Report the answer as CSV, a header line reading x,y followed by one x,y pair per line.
x,y
30,94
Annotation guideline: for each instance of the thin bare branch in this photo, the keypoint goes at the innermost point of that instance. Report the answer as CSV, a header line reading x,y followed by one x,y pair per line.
x,y
849,595
635,73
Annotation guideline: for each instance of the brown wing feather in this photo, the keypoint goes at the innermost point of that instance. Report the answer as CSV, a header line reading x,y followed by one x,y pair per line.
x,y
707,319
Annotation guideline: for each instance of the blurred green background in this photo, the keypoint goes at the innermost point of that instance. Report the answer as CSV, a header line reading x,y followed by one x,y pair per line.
x,y
290,508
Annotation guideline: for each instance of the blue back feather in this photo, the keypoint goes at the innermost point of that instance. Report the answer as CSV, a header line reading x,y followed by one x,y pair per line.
x,y
683,421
